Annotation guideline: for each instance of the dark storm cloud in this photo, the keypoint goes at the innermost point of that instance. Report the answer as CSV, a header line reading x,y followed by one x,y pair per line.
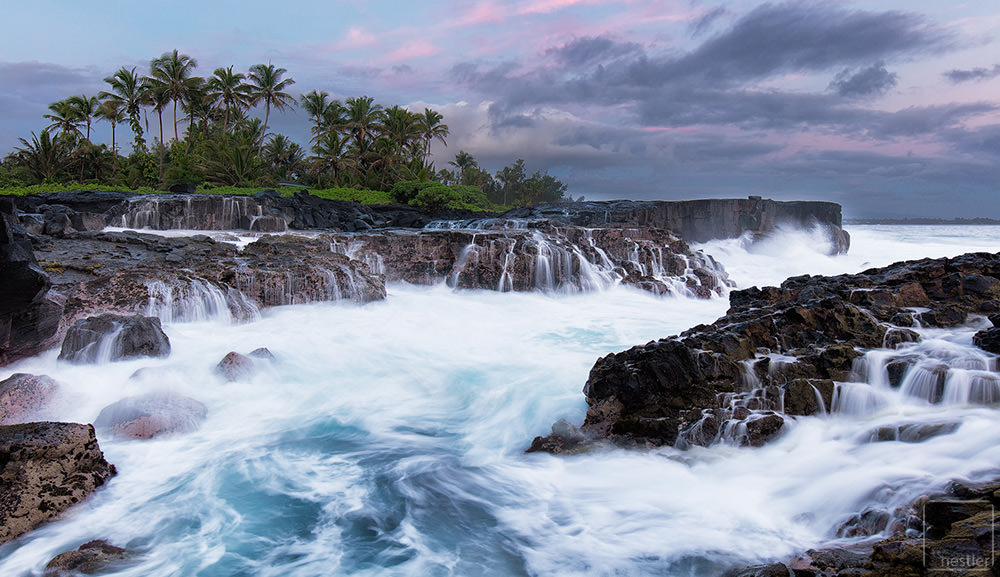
x,y
703,24
39,74
922,120
874,80
589,49
783,38
772,39
956,75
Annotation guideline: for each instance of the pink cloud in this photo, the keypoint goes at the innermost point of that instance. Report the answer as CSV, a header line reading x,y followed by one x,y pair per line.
x,y
412,51
485,12
545,6
358,37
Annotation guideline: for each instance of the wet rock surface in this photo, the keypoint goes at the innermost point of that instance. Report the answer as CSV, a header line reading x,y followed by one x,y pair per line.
x,y
22,395
776,354
91,558
151,415
700,220
538,255
44,469
30,312
114,337
235,367
950,533
131,272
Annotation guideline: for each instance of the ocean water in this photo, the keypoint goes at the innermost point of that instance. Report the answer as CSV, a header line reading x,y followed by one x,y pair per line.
x,y
389,438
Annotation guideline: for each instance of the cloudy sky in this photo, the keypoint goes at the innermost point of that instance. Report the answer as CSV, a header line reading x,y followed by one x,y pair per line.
x,y
890,107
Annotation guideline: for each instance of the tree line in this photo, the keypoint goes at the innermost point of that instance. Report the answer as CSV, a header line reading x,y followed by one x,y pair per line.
x,y
355,143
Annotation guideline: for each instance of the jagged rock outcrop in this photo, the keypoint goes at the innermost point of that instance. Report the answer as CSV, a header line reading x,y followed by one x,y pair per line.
x,y
538,255
22,395
776,353
950,533
112,337
187,278
29,312
44,469
700,220
151,415
91,558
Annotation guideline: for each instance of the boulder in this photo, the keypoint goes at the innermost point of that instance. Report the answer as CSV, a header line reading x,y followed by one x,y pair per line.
x,y
91,558
151,415
235,367
29,312
44,469
113,337
988,339
22,395
262,353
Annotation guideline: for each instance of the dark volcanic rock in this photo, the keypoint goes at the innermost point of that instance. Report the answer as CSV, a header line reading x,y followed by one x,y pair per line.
x,y
29,312
189,277
120,337
22,395
988,340
44,469
699,220
801,336
91,558
538,255
151,415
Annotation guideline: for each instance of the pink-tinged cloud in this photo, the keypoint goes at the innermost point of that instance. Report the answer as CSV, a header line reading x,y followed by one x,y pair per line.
x,y
486,12
356,37
412,51
545,6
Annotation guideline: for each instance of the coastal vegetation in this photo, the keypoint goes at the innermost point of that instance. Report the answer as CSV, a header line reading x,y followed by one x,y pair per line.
x,y
209,135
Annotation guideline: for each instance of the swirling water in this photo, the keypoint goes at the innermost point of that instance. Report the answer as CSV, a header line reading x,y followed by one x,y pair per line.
x,y
388,439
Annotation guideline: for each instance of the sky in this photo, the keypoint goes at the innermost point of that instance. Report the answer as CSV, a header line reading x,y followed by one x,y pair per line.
x,y
888,107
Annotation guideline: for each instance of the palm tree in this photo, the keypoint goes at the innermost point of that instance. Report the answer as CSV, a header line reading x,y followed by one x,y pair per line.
x,y
402,127
114,112
362,119
268,87
283,157
432,127
155,95
44,157
65,118
463,160
315,104
330,155
126,89
86,108
227,91
174,70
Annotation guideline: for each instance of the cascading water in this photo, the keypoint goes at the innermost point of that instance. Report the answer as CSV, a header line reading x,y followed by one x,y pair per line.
x,y
388,439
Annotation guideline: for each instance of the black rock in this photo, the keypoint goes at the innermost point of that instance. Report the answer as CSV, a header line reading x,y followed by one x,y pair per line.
x,y
988,339
119,337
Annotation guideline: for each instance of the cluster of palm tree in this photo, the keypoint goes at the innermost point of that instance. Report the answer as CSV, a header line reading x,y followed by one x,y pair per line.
x,y
362,143
509,186
216,140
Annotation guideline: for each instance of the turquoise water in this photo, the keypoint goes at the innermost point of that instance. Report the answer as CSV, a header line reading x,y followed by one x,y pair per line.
x,y
388,439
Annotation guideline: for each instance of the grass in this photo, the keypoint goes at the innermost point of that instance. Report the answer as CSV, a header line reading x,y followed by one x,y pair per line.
x,y
349,194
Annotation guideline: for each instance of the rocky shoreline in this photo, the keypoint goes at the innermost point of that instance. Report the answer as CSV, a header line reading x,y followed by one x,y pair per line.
x,y
779,353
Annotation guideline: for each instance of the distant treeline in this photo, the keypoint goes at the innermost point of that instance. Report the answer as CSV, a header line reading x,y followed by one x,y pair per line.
x,y
958,221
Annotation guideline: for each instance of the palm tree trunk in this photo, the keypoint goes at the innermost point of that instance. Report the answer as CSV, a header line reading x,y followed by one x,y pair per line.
x,y
114,148
263,132
175,121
